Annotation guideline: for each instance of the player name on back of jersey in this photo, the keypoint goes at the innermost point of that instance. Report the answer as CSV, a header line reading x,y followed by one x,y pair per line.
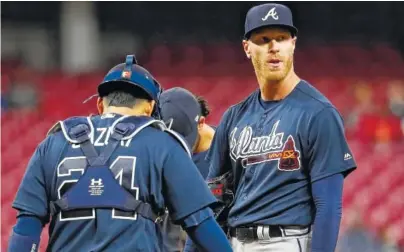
x,y
102,136
254,150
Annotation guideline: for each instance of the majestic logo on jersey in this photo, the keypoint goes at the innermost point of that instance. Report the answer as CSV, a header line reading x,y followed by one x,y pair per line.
x,y
254,150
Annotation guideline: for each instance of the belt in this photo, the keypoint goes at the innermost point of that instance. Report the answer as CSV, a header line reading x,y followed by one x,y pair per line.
x,y
263,232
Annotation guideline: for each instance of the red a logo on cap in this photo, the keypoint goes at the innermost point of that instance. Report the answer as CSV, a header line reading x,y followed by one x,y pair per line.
x,y
271,13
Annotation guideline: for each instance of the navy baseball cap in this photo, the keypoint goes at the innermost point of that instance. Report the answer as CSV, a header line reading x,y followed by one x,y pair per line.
x,y
181,111
269,14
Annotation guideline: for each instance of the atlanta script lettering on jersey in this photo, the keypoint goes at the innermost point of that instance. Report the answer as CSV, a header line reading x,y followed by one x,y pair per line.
x,y
260,149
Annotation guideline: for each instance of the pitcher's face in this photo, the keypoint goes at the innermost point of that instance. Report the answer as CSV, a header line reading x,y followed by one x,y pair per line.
x,y
271,52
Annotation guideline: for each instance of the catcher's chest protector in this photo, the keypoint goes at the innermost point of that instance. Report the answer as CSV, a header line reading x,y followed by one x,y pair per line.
x,y
97,187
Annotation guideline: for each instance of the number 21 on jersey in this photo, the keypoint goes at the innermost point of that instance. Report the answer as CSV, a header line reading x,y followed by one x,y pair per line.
x,y
123,168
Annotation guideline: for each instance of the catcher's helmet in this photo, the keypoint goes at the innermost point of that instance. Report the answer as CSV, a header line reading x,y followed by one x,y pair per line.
x,y
132,78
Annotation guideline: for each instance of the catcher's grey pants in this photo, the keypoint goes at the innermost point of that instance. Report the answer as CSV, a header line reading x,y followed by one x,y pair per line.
x,y
294,240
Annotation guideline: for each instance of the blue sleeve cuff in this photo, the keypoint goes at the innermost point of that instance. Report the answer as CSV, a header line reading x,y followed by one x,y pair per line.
x,y
22,243
209,236
196,218
26,234
28,225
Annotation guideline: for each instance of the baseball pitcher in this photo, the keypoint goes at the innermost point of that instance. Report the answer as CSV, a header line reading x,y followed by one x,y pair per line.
x,y
285,146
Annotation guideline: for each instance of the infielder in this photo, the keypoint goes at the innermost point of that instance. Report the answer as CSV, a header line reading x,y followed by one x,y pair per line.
x,y
186,114
104,181
285,146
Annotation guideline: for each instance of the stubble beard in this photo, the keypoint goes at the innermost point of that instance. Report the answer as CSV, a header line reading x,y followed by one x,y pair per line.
x,y
267,75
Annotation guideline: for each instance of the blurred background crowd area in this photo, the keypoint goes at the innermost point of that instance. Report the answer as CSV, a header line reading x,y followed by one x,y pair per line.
x,y
53,55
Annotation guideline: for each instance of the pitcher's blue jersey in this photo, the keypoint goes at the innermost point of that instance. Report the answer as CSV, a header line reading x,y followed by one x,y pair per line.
x,y
279,148
152,166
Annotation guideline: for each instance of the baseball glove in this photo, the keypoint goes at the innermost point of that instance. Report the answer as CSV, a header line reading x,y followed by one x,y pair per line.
x,y
221,187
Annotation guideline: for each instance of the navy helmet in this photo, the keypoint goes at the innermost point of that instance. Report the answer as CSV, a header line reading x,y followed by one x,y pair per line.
x,y
134,79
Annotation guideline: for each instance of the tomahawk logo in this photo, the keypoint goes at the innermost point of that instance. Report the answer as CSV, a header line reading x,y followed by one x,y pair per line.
x,y
271,13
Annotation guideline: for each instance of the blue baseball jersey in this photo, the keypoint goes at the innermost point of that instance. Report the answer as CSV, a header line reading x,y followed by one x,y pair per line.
x,y
279,148
152,166
201,163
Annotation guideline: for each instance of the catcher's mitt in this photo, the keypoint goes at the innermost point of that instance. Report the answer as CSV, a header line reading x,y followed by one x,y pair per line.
x,y
221,187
